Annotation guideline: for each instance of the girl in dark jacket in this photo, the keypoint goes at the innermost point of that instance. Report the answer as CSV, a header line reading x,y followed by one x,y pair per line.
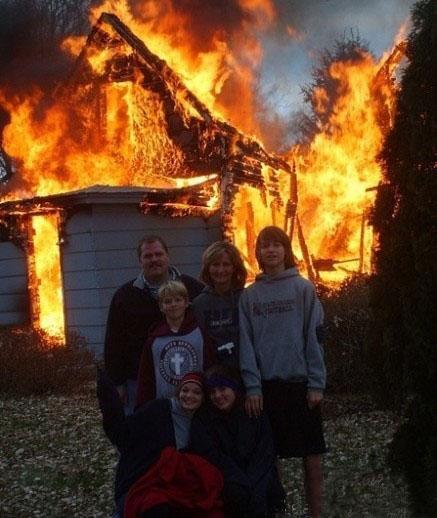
x,y
147,442
240,446
216,308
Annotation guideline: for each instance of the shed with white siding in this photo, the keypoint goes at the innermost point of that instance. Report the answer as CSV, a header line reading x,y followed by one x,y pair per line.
x,y
99,236
14,299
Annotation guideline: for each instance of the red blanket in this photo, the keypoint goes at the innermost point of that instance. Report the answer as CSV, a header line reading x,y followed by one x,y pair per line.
x,y
182,480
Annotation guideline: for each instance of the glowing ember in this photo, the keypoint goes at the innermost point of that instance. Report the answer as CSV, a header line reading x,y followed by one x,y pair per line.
x,y
46,277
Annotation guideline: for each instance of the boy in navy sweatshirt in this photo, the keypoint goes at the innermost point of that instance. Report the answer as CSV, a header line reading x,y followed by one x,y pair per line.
x,y
281,360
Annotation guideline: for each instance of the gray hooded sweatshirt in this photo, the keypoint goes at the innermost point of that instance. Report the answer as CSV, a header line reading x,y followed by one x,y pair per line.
x,y
278,319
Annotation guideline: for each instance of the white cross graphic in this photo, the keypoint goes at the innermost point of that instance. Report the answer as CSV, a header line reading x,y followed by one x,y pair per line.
x,y
178,360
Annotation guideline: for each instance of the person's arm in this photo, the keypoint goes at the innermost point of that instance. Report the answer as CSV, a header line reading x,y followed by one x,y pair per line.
x,y
248,362
202,443
111,407
313,319
115,339
146,375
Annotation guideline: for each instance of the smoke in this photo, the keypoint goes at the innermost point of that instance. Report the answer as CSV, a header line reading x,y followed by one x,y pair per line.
x,y
30,35
302,32
203,20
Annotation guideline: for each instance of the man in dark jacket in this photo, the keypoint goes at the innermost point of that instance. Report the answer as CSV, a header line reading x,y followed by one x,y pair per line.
x,y
134,308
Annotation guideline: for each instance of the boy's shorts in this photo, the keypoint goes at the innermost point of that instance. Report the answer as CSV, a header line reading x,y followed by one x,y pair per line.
x,y
298,431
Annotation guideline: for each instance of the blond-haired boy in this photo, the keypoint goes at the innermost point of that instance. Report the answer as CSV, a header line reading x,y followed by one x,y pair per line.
x,y
176,345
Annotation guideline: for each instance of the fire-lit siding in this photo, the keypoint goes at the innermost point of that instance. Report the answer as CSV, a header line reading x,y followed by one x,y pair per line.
x,y
100,254
14,303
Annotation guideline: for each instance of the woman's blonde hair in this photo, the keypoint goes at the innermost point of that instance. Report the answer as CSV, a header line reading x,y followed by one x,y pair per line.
x,y
211,254
172,288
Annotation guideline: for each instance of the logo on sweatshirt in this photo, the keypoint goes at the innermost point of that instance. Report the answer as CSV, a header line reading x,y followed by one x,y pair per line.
x,y
262,309
221,317
177,358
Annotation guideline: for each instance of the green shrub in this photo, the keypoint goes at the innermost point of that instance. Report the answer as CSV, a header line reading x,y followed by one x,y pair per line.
x,y
347,318
404,288
29,365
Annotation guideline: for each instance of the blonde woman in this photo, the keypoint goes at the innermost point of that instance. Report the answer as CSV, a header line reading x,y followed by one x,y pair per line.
x,y
216,308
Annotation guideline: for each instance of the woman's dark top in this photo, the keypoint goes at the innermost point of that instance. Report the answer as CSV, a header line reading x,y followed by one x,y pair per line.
x,y
218,314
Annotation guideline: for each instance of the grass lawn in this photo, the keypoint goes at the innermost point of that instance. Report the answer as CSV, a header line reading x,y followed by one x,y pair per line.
x,y
56,462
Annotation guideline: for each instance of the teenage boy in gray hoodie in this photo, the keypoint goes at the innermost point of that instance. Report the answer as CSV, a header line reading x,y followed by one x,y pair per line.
x,y
281,359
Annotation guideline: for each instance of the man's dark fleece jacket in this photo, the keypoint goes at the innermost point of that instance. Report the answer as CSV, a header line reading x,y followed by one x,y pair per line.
x,y
131,313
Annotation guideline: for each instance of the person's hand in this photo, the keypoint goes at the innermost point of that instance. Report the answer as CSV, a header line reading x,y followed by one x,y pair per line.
x,y
254,405
122,392
314,398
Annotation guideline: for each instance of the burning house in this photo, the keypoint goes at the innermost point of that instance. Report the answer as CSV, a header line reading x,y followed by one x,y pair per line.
x,y
124,148
156,161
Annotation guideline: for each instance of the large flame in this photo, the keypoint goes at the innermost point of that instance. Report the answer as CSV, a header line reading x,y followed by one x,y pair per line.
x,y
219,67
131,145
337,174
45,275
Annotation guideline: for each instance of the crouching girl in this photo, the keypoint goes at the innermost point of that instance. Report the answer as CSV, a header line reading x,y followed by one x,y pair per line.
x,y
240,446
153,478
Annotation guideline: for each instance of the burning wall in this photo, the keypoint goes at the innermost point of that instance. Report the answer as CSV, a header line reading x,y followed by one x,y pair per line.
x,y
96,245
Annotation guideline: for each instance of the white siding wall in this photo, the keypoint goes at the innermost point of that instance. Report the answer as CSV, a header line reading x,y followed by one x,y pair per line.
x,y
14,303
100,255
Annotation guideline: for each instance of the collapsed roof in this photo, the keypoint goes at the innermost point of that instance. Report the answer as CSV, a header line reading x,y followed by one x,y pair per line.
x,y
208,144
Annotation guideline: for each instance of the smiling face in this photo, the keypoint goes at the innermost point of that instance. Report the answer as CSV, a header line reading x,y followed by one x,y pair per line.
x,y
154,261
272,256
221,271
173,307
223,398
190,396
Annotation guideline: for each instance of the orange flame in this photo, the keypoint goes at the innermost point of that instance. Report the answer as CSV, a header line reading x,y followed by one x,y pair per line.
x,y
337,172
223,75
46,288
254,210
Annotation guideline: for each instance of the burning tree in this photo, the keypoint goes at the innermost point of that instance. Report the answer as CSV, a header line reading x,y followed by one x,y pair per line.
x,y
326,87
352,100
404,289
